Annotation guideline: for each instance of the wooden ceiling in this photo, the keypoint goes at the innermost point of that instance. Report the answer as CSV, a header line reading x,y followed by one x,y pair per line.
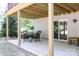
x,y
37,10
40,10
63,8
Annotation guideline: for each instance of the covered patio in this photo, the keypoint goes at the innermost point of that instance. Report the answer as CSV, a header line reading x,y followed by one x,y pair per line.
x,y
53,12
33,11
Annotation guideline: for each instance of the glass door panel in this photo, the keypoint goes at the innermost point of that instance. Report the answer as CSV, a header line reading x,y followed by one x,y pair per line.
x,y
56,29
63,30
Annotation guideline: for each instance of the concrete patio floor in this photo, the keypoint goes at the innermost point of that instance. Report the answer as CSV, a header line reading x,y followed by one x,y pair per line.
x,y
41,48
63,49
8,49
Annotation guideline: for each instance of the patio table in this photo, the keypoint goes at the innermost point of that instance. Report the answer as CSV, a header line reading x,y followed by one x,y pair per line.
x,y
31,34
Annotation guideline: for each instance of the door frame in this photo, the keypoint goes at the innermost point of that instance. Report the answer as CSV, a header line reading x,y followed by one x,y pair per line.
x,y
59,31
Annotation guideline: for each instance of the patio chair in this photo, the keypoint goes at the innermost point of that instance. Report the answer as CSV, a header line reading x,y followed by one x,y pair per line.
x,y
37,36
25,36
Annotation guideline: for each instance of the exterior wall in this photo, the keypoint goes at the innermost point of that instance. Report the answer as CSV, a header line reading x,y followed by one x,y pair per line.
x,y
73,29
41,24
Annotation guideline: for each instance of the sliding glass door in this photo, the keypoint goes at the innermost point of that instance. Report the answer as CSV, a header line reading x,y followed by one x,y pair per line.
x,y
56,30
60,30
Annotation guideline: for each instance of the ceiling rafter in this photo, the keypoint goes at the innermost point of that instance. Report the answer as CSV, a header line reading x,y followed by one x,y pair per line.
x,y
60,10
63,9
57,11
75,6
37,10
40,9
71,7
28,16
32,14
66,8
43,6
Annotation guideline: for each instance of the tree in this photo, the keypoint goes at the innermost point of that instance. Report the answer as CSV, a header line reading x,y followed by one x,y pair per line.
x,y
12,27
3,29
27,24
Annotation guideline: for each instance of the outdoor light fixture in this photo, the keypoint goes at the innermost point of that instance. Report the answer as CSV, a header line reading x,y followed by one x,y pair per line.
x,y
74,20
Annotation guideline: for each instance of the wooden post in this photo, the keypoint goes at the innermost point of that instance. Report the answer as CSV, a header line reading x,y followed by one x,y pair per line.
x,y
18,28
7,29
50,30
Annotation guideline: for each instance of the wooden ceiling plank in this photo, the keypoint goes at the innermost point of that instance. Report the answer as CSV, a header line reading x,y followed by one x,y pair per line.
x,y
75,6
60,4
28,16
57,8
70,6
63,9
60,10
37,10
57,11
43,5
34,12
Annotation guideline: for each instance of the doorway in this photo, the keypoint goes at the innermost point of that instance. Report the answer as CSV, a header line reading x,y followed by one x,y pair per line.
x,y
60,30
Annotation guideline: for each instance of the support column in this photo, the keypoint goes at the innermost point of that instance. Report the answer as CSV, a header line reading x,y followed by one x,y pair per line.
x,y
18,28
50,30
7,29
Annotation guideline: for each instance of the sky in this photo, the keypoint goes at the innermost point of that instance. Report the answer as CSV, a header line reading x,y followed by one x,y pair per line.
x,y
3,8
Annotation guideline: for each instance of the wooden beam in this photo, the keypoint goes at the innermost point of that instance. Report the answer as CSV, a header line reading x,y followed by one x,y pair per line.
x,y
40,8
33,11
62,9
71,7
44,6
76,6
66,8
40,11
20,6
50,30
68,5
7,29
37,13
57,12
58,9
18,28
32,14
